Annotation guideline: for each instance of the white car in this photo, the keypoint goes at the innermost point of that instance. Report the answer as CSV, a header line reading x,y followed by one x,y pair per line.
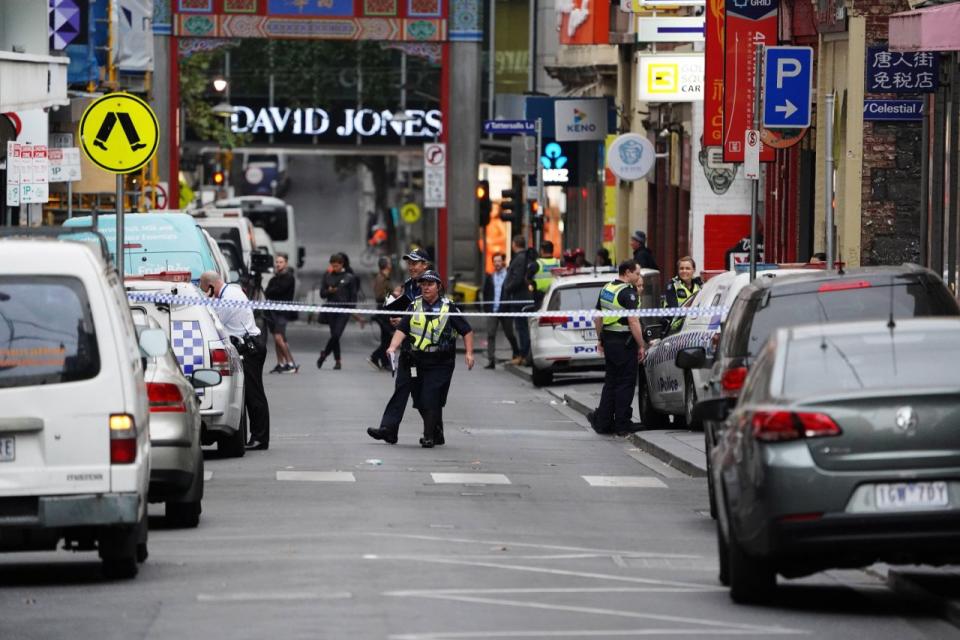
x,y
74,420
664,388
275,217
228,225
563,342
200,342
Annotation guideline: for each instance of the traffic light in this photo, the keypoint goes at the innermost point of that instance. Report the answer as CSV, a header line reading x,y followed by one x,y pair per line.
x,y
508,205
534,207
218,177
483,202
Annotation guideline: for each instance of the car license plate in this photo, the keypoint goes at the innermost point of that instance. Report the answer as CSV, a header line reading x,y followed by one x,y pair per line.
x,y
588,335
911,495
8,448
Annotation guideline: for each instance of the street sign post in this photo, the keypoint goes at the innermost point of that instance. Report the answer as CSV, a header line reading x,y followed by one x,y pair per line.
x,y
787,87
510,127
434,175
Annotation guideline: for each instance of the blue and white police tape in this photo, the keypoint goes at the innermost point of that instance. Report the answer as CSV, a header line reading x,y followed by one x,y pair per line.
x,y
272,305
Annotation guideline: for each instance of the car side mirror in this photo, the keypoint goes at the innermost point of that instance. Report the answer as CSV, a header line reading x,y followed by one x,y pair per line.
x,y
653,332
691,358
153,342
202,378
301,256
261,262
715,410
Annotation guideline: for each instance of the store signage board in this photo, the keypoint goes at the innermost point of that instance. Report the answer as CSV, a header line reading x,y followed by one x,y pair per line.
x,y
670,29
899,72
787,87
746,25
893,110
631,156
584,119
713,76
670,78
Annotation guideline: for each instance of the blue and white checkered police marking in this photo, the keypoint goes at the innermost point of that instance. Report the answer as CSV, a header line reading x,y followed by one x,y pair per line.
x,y
187,342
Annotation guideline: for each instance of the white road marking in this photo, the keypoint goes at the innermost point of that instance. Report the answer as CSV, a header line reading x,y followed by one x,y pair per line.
x,y
469,478
542,590
316,476
207,476
586,633
273,596
635,482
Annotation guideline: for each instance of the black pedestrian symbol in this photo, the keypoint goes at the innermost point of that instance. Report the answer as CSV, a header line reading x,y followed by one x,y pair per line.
x,y
133,138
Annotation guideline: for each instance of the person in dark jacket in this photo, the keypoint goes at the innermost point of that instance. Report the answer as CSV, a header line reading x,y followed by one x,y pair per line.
x,y
281,288
493,298
643,255
519,288
382,287
339,288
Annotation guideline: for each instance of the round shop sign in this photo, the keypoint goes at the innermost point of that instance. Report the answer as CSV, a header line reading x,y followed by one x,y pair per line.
x,y
410,212
631,156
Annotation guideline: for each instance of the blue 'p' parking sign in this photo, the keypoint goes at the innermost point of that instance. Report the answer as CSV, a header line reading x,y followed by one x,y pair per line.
x,y
787,87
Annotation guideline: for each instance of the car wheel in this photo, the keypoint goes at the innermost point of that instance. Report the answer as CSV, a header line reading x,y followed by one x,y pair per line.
x,y
185,515
723,558
752,579
542,377
120,549
235,446
649,416
689,402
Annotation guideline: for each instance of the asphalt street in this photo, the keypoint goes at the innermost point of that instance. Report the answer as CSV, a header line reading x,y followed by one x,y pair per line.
x,y
525,525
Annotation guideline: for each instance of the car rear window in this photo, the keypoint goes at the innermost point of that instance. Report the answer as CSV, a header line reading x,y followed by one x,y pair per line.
x,y
575,298
899,360
907,300
231,234
46,332
273,220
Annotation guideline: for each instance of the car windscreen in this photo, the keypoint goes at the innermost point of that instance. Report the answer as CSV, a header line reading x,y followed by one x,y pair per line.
x,y
895,360
906,299
231,234
231,255
273,220
46,331
575,298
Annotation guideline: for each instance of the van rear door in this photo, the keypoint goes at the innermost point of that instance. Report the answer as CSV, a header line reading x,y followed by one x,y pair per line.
x,y
59,384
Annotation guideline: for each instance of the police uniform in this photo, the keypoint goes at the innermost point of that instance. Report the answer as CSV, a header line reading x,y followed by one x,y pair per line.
x,y
543,276
674,295
614,412
432,337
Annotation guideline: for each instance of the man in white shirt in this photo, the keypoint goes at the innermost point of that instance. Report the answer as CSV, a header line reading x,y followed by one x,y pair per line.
x,y
239,324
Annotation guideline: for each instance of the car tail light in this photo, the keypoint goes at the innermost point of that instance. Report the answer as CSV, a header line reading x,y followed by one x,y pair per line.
x,y
123,439
732,380
843,285
220,360
165,398
800,517
552,321
777,426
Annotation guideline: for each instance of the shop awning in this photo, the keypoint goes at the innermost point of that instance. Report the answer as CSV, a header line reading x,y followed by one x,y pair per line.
x,y
32,82
928,29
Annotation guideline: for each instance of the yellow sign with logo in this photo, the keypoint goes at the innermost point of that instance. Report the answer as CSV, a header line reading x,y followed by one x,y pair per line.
x,y
119,132
410,212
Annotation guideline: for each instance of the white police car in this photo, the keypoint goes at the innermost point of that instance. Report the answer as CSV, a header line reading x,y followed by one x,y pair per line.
x,y
665,389
564,342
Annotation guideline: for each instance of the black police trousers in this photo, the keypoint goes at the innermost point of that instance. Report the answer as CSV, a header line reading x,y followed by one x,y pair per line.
x,y
615,412
255,397
429,389
393,413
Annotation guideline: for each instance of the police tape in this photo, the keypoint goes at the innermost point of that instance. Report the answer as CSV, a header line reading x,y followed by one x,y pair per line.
x,y
272,305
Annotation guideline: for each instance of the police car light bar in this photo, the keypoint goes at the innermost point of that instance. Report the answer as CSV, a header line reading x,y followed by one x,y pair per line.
x,y
167,276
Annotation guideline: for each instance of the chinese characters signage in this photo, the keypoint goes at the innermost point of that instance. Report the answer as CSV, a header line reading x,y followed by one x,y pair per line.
x,y
895,72
713,76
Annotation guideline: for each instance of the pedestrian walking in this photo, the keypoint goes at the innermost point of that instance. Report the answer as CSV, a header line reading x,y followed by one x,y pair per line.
x,y
340,288
681,288
620,339
281,288
431,333
418,262
643,255
382,287
519,289
242,329
494,301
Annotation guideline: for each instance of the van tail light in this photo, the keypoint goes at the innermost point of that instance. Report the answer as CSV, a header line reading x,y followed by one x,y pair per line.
x,y
552,321
123,439
843,285
777,426
165,398
732,380
220,360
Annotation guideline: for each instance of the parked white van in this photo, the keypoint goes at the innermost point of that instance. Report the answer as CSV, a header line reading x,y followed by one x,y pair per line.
x,y
74,420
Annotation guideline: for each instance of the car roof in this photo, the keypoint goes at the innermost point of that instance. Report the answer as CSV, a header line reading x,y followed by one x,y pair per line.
x,y
592,278
949,325
236,201
809,281
187,289
49,252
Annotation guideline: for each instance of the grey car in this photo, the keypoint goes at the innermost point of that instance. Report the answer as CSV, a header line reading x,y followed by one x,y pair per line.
x,y
843,450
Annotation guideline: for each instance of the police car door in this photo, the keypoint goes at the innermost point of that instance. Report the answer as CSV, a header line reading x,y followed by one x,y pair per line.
x,y
666,380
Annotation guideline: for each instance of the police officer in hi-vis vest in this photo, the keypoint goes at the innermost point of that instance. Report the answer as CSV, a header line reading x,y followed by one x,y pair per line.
x,y
621,342
432,335
542,276
680,289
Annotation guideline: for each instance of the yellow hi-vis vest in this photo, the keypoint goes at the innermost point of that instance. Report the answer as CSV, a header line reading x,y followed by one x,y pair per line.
x,y
426,335
609,302
543,277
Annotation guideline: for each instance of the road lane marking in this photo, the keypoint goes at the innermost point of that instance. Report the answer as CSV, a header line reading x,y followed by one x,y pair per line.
x,y
272,596
634,482
316,476
207,476
585,633
469,478
545,590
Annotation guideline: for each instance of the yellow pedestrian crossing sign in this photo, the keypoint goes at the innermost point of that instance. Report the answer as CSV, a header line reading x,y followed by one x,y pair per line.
x,y
410,212
124,148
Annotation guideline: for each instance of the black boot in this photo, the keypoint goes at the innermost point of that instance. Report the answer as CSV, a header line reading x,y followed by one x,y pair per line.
x,y
382,434
438,435
426,443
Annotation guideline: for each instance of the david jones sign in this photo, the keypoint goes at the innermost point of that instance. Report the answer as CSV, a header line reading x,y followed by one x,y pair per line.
x,y
343,123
